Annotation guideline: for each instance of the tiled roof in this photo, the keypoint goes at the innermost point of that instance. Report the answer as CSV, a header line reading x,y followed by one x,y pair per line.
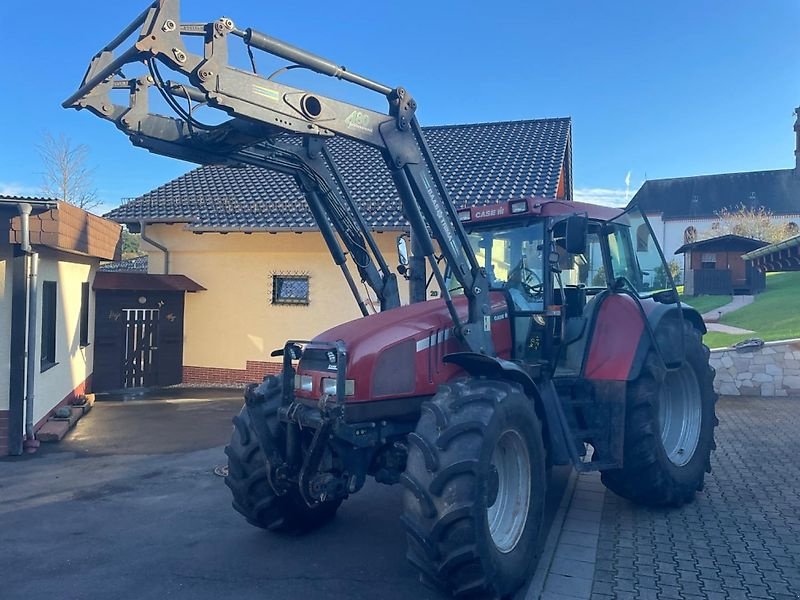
x,y
138,264
704,196
63,226
481,164
15,198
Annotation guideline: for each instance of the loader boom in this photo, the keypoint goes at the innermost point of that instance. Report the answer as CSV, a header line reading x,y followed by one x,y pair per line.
x,y
262,112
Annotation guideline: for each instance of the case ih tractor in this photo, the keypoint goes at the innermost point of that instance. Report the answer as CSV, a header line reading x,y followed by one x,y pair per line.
x,y
545,345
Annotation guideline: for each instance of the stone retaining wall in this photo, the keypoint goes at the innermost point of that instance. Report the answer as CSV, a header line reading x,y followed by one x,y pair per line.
x,y
772,370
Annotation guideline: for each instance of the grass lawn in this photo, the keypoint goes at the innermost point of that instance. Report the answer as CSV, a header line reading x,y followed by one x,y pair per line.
x,y
703,304
775,314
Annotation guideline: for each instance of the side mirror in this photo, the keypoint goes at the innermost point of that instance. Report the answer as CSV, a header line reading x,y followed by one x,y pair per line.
x,y
575,236
402,254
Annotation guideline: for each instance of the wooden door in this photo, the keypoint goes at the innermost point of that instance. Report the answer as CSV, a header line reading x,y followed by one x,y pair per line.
x,y
141,347
138,340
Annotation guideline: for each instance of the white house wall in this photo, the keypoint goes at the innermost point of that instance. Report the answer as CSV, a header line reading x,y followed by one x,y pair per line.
x,y
74,363
670,234
5,324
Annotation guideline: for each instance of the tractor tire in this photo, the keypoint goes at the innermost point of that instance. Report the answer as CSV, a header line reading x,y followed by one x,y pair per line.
x,y
247,479
475,489
669,430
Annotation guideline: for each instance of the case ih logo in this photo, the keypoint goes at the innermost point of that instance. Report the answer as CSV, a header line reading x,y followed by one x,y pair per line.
x,y
497,211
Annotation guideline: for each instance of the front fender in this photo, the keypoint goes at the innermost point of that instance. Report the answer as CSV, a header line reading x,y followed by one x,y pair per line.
x,y
480,365
492,367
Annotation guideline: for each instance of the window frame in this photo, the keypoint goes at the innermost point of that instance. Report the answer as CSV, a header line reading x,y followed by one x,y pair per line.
x,y
627,248
642,239
49,324
83,324
278,300
704,256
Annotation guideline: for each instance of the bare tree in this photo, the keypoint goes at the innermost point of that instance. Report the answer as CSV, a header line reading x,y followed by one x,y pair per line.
x,y
757,223
66,175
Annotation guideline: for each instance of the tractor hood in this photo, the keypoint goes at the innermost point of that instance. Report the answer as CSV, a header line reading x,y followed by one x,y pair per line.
x,y
397,353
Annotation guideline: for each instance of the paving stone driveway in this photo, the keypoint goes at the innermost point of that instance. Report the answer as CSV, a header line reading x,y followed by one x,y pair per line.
x,y
741,536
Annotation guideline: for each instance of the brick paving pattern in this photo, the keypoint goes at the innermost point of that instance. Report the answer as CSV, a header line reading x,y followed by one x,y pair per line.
x,y
739,539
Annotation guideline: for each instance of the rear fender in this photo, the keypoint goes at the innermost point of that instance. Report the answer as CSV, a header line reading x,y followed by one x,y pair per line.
x,y
624,329
480,365
665,325
618,326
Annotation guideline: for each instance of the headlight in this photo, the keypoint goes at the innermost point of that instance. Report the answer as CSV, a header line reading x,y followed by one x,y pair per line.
x,y
303,383
539,320
329,386
519,206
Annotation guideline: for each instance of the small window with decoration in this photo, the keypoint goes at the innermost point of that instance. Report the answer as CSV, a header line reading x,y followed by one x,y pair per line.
x,y
290,288
708,260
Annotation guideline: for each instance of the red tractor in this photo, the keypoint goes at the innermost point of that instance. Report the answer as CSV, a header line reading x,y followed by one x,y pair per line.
x,y
546,344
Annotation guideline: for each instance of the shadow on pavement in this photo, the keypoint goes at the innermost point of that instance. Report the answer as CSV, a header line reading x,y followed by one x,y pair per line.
x,y
142,516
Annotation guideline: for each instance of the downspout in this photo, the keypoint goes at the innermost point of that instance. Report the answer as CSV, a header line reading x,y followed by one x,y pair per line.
x,y
152,242
32,281
30,376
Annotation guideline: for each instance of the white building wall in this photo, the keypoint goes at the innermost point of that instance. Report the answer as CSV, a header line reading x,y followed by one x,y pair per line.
x,y
74,362
670,234
5,324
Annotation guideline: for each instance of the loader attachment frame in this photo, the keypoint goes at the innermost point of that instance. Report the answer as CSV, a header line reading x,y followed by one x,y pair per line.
x,y
262,112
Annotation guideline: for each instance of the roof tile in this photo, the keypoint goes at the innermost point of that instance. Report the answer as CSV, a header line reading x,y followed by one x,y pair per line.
x,y
481,164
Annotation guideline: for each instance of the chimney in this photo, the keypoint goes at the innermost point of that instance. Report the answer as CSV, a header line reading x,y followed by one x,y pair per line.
x,y
797,142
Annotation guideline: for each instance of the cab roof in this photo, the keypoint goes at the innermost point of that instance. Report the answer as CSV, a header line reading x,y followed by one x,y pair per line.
x,y
536,206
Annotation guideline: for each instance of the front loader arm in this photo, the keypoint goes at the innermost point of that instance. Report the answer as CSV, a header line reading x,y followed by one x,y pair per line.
x,y
238,141
268,106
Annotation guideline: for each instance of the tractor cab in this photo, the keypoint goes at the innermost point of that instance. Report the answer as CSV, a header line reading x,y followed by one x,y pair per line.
x,y
552,260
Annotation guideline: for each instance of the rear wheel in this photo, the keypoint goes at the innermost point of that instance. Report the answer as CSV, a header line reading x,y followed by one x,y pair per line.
x,y
247,478
475,488
669,430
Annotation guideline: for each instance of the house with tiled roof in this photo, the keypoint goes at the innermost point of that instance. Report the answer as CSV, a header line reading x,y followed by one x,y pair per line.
x,y
246,236
49,255
683,210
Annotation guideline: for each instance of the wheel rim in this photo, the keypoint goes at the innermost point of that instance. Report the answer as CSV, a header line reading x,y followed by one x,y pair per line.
x,y
508,513
680,414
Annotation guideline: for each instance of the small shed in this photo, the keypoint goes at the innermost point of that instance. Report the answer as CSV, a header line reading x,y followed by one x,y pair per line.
x,y
777,257
716,267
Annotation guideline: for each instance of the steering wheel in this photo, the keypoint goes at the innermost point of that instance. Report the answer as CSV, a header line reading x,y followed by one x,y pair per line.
x,y
529,280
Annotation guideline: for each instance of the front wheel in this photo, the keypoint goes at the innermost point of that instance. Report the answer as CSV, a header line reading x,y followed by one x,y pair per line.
x,y
475,489
669,430
253,496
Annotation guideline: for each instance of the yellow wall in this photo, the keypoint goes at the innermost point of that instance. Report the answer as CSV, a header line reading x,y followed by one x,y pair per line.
x,y
234,321
5,324
74,363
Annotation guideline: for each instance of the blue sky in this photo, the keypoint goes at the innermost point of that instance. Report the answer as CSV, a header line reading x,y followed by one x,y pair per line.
x,y
655,89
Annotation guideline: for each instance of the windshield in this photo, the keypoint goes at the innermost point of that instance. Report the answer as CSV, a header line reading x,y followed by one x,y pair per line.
x,y
513,260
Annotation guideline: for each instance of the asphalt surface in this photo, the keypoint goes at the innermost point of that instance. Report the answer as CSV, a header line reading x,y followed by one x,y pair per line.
x,y
128,506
